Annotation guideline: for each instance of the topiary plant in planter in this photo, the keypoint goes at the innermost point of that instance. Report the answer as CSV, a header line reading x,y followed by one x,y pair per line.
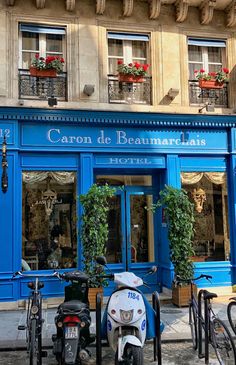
x,y
94,228
179,213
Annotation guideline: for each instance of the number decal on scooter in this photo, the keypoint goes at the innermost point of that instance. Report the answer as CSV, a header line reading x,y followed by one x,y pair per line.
x,y
132,295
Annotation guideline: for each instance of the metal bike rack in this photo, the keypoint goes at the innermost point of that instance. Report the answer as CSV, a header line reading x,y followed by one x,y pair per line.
x,y
157,339
98,329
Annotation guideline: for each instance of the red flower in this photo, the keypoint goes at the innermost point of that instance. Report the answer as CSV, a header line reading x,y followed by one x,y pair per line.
x,y
226,70
202,70
137,65
213,74
119,62
130,64
145,67
37,55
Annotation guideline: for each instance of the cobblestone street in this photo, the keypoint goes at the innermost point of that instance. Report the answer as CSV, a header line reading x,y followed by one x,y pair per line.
x,y
178,353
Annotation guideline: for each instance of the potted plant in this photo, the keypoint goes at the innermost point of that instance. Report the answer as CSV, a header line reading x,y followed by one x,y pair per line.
x,y
46,67
179,214
132,72
212,80
94,233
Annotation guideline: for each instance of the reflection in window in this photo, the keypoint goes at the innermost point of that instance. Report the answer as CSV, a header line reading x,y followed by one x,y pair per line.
x,y
49,220
208,192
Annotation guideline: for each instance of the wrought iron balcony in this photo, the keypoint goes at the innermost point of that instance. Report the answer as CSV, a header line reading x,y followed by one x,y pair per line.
x,y
41,88
198,96
129,93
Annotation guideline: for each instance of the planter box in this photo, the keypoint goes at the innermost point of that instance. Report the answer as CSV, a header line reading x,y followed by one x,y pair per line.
x,y
210,84
130,78
42,73
92,297
182,294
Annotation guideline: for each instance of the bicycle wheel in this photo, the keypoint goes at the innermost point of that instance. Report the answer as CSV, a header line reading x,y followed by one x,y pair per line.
x,y
193,326
35,343
231,313
32,342
222,342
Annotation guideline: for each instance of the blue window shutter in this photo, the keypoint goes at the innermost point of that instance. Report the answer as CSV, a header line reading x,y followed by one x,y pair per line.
x,y
128,36
41,29
206,42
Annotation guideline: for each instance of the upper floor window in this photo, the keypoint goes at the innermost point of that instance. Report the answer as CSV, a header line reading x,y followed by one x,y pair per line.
x,y
206,54
44,40
128,48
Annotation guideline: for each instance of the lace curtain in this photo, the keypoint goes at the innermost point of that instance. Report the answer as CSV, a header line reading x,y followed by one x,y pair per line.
x,y
189,178
60,177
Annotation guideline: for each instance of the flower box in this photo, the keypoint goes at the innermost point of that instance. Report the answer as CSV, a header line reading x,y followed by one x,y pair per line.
x,y
130,78
210,84
43,73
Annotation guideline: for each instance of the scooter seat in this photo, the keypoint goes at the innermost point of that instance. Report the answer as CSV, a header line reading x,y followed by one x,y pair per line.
x,y
72,306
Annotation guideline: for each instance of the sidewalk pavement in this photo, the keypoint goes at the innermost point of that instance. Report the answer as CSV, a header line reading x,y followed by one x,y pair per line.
x,y
174,318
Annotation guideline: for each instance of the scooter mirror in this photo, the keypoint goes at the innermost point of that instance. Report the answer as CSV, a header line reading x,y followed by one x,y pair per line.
x,y
101,260
153,270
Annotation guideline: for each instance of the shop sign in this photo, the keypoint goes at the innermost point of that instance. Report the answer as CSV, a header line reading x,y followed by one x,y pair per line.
x,y
125,138
131,161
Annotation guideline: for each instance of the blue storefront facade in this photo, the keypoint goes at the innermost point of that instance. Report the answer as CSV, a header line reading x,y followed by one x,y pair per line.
x,y
56,155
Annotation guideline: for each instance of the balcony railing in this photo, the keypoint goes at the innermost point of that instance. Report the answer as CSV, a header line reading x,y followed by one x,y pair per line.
x,y
129,93
218,97
41,88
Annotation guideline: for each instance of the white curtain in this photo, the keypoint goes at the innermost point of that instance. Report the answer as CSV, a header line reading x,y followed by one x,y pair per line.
x,y
190,178
61,177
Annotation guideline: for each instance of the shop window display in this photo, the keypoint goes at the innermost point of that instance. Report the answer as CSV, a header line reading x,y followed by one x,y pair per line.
x,y
208,192
49,238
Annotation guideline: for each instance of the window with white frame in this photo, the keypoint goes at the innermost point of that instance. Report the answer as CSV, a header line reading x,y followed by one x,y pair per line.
x,y
206,54
128,47
44,40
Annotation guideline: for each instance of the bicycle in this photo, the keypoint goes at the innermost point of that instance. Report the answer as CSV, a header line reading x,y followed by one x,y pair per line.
x,y
34,320
231,313
216,332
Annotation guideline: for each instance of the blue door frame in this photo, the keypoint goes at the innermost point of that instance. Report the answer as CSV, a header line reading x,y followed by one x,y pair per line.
x,y
127,264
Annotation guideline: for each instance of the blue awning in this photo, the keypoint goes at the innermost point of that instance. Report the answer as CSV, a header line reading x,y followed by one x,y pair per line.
x,y
128,36
41,29
206,42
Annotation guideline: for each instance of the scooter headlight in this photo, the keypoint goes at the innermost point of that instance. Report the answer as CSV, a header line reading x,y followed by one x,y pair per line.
x,y
126,316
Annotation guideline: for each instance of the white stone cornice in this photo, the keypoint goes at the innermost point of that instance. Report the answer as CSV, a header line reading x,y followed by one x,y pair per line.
x,y
207,9
231,14
70,5
128,6
10,2
181,10
155,8
100,6
40,4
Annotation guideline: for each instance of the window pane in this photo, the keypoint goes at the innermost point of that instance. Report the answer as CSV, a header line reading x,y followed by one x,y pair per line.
x,y
195,53
54,43
117,180
214,68
27,58
139,50
115,47
214,54
192,68
30,41
211,238
49,220
113,65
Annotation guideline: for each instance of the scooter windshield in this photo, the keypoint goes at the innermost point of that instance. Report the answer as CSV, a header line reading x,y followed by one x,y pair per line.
x,y
128,279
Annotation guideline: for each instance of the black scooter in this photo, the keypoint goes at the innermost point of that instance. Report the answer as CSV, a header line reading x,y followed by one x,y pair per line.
x,y
73,321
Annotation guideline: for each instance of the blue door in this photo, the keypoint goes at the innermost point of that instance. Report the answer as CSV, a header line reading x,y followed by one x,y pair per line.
x,y
131,244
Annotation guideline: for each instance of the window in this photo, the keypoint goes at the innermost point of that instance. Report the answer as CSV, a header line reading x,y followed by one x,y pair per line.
x,y
49,238
127,47
40,39
208,192
206,54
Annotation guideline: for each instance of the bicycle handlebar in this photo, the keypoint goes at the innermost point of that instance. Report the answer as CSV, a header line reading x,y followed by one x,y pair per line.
x,y
22,274
179,279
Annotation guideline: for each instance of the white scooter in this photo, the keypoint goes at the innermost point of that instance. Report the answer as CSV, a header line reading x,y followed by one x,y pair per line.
x,y
128,319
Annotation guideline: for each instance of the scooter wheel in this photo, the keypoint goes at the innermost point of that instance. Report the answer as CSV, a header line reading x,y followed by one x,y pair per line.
x,y
133,355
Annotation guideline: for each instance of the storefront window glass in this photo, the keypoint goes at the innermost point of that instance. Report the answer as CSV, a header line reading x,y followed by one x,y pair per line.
x,y
49,238
208,192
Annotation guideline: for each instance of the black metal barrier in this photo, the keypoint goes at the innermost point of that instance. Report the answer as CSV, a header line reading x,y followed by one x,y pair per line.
x,y
98,329
157,339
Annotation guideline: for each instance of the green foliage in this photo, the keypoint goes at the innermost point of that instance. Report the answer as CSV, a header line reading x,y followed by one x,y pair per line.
x,y
94,228
179,212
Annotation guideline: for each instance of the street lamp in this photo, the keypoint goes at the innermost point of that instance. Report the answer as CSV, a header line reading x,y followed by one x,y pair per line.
x,y
4,166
